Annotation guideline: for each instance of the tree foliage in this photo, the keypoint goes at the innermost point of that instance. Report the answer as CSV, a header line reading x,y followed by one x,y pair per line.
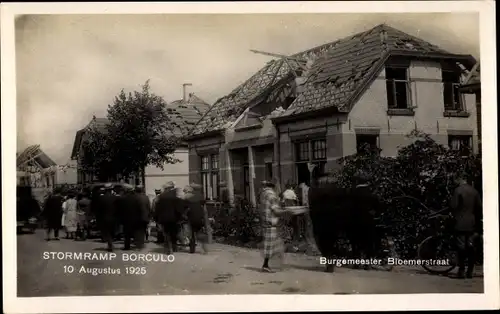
x,y
138,134
412,186
97,157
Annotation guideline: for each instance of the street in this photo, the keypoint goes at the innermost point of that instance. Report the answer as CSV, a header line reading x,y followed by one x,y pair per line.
x,y
224,270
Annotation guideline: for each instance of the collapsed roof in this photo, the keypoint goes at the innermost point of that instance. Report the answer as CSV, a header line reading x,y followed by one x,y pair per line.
x,y
33,156
338,73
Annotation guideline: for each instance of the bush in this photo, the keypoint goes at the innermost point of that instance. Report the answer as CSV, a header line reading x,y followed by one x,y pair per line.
x,y
240,224
415,184
412,186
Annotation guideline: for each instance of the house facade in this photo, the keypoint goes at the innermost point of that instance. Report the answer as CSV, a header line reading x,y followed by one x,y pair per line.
x,y
472,86
183,114
297,116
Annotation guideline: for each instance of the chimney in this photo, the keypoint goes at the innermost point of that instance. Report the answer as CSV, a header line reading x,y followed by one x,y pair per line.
x,y
185,94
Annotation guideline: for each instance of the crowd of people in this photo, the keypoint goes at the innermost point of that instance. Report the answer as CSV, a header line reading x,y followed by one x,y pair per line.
x,y
332,212
128,212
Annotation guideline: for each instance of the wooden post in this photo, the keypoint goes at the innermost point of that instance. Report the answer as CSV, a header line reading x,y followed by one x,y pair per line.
x,y
309,228
207,224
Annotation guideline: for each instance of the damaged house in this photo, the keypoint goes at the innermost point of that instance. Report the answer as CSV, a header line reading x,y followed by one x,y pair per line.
x,y
295,117
184,114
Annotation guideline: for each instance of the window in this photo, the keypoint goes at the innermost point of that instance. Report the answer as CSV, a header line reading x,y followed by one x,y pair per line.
x,y
269,171
310,152
366,141
210,176
398,87
451,94
462,143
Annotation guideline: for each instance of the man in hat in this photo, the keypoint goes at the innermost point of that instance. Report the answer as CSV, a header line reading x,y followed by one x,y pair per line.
x,y
106,214
271,212
364,206
466,210
159,232
52,213
168,212
144,215
129,208
196,216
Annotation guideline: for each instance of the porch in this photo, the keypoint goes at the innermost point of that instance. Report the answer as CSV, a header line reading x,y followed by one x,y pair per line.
x,y
247,168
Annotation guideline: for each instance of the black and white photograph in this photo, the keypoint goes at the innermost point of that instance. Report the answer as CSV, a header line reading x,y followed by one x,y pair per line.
x,y
336,151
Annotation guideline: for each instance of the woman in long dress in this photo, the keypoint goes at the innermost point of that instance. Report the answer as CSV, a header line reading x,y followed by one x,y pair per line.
x,y
71,216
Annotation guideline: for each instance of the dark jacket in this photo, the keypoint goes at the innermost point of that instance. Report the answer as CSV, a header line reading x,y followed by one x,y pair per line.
x,y
129,209
169,208
466,208
364,207
195,210
105,209
52,210
145,207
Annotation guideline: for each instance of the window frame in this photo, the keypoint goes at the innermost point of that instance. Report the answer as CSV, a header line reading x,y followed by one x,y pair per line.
x,y
320,162
457,98
210,171
393,83
461,138
377,140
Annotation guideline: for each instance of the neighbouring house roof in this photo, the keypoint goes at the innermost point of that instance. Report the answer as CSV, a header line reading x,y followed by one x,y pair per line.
x,y
99,123
33,155
338,73
184,114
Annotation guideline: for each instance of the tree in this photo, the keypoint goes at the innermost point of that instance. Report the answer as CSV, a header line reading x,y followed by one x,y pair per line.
x,y
139,132
97,156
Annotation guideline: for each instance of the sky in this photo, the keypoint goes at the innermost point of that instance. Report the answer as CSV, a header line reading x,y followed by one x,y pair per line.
x,y
70,67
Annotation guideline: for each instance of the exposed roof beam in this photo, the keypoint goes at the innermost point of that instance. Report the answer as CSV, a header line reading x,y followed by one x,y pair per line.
x,y
300,62
277,55
471,72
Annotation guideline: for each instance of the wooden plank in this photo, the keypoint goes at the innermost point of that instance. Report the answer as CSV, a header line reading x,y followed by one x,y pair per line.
x,y
208,227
